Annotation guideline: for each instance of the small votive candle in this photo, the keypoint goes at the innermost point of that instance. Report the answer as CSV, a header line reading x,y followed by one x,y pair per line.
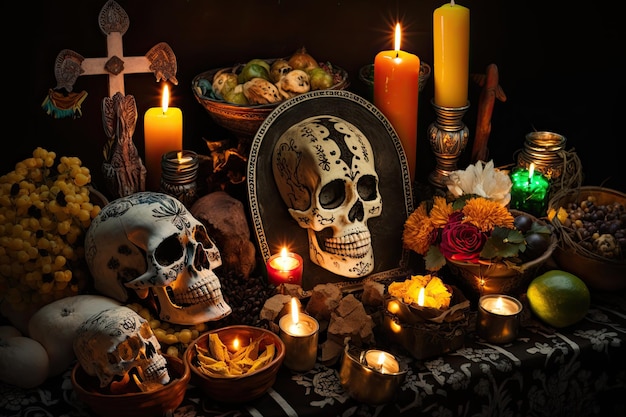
x,y
529,191
372,377
498,318
299,332
284,268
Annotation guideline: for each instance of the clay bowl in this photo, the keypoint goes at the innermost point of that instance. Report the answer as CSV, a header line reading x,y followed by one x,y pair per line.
x,y
598,272
497,278
239,388
243,121
160,402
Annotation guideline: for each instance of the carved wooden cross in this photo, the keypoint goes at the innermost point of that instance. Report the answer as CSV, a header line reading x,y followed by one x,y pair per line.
x,y
123,169
114,22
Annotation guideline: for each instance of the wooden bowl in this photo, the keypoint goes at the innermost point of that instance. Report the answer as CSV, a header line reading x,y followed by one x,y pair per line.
x,y
598,272
160,402
243,121
239,388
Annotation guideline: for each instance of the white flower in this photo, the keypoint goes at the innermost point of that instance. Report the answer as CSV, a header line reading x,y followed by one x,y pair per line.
x,y
482,180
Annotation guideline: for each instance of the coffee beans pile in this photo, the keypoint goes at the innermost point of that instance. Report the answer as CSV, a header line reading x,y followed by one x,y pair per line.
x,y
599,228
246,297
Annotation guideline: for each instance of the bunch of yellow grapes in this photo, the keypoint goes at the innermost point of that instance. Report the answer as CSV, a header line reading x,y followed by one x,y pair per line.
x,y
174,338
45,211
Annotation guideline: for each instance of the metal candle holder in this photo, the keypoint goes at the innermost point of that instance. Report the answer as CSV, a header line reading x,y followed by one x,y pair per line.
x,y
448,137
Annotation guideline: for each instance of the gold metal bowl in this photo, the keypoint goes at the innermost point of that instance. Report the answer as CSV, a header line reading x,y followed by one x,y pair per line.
x,y
244,121
238,388
598,272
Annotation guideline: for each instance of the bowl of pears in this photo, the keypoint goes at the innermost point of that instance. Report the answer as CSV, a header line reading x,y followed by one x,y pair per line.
x,y
239,98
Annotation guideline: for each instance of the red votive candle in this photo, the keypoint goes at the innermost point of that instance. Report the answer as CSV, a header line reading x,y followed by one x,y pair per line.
x,y
284,268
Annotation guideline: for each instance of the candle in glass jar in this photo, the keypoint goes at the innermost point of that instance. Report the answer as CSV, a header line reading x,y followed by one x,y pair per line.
x,y
299,333
396,89
529,191
382,361
451,24
163,132
284,268
498,318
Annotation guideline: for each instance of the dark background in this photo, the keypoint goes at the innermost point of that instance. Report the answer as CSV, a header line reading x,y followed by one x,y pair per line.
x,y
561,66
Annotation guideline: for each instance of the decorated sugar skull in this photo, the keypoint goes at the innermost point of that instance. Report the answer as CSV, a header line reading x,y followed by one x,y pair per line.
x,y
149,244
116,341
325,173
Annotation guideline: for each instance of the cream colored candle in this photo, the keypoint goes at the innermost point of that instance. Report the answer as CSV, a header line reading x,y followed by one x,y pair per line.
x,y
451,23
163,132
396,89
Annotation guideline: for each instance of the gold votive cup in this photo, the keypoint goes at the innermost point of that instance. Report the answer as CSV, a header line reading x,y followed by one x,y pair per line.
x,y
300,341
367,382
498,318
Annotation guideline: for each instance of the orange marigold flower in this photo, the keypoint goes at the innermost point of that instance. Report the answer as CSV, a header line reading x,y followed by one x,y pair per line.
x,y
487,214
418,231
440,212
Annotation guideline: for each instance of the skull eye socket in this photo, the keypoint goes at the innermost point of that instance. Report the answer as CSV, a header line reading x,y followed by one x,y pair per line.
x,y
366,187
333,194
201,235
169,251
127,350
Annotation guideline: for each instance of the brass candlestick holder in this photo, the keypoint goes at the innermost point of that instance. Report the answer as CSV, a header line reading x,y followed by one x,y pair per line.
x,y
448,137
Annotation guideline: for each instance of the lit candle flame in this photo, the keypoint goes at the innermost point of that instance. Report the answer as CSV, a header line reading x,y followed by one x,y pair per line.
x,y
381,361
420,297
179,155
294,311
499,305
283,252
236,344
165,101
397,37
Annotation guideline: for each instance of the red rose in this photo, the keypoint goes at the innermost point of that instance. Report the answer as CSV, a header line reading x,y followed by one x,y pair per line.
x,y
461,241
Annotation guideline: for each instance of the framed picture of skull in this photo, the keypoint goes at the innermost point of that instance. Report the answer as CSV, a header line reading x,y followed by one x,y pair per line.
x,y
328,179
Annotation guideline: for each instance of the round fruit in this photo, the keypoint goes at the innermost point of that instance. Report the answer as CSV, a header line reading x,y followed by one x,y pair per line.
x,y
558,298
523,223
320,79
536,245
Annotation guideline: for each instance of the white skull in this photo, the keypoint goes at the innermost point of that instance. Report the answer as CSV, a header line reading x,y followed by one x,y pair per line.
x,y
150,243
324,169
116,341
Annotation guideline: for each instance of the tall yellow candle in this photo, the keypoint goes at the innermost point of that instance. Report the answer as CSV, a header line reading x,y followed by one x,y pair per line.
x,y
163,132
396,88
451,54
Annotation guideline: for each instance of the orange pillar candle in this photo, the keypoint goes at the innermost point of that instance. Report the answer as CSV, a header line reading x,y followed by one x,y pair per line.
x,y
163,132
451,54
396,87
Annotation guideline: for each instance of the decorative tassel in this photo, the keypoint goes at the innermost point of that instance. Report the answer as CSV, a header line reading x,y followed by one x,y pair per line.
x,y
61,105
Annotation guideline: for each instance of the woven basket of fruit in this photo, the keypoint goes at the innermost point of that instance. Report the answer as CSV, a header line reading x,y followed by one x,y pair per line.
x,y
591,225
239,98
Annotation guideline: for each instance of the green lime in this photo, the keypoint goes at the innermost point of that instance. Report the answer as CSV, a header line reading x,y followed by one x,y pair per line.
x,y
558,298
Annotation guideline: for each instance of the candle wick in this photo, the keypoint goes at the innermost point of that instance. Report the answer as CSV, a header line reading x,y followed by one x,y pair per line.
x,y
397,54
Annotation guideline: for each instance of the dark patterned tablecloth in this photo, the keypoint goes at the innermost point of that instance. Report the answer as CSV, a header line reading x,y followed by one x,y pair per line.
x,y
577,371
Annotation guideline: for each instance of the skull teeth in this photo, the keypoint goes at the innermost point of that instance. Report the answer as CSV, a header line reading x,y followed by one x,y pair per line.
x,y
355,245
201,294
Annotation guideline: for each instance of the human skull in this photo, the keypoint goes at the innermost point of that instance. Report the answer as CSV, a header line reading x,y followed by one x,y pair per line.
x,y
324,170
149,243
116,341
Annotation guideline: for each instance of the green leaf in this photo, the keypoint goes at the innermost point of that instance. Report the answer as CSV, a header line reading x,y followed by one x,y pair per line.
x,y
503,243
539,228
434,259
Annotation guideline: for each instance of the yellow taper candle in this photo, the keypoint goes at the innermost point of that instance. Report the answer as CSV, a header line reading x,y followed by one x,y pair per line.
x,y
451,24
163,132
